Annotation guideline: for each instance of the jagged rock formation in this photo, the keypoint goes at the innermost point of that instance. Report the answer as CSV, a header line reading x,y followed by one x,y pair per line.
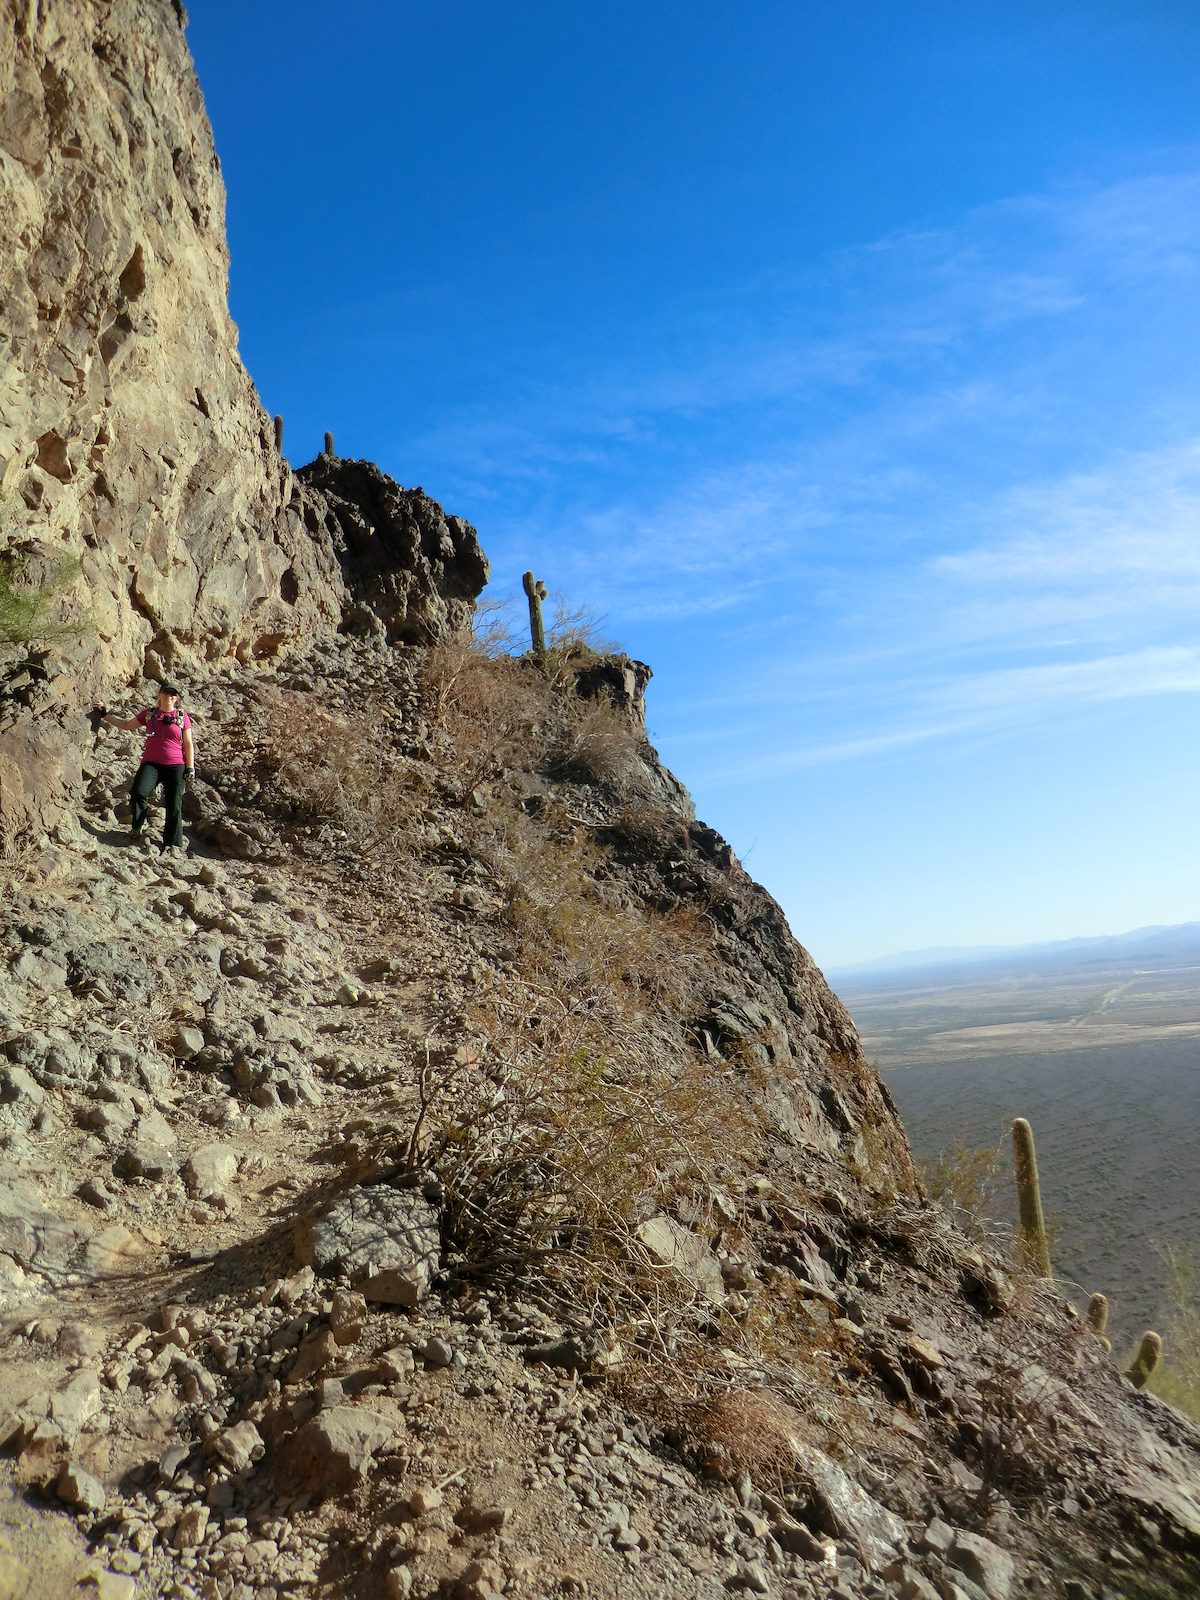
x,y
409,569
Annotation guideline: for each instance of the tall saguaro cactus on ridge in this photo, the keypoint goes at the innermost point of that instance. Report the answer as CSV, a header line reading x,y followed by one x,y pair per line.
x,y
1029,1199
535,591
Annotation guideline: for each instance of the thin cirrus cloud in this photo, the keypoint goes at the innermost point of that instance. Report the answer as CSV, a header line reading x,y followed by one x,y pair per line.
x,y
942,362
971,704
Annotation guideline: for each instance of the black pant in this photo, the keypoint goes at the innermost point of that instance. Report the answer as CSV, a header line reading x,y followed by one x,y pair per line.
x,y
149,775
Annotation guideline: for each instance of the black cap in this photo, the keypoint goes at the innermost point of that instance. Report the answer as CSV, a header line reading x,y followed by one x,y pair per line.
x,y
168,688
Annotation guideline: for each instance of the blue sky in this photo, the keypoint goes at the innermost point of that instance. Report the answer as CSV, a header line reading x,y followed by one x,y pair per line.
x,y
844,357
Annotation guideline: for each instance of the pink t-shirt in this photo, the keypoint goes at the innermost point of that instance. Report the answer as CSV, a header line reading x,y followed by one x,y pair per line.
x,y
164,736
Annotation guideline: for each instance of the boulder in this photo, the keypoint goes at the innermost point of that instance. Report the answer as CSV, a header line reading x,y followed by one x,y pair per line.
x,y
332,1452
209,1171
75,1487
387,1241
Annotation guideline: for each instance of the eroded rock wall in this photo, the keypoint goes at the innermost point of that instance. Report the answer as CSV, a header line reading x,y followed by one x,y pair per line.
x,y
138,470
131,437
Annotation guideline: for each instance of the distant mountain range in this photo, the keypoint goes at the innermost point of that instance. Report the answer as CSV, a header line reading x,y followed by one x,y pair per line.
x,y
1161,944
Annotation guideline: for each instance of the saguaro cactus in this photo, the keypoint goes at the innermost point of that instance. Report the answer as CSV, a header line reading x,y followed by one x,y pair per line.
x,y
1029,1199
1097,1318
535,590
279,434
1146,1359
328,444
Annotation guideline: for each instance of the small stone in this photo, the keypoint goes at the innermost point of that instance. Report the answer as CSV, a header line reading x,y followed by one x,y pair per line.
x,y
191,1528
436,1352
106,1585
329,1392
313,1356
983,1562
395,1365
347,1316
75,1487
938,1538
171,1461
926,1352
422,1501
238,1447
399,1583
335,1449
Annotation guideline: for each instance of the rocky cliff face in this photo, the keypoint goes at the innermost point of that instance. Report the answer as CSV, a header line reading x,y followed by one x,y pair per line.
x,y
134,453
131,437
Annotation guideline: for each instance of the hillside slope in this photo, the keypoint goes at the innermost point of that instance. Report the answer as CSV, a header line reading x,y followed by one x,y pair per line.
x,y
455,1171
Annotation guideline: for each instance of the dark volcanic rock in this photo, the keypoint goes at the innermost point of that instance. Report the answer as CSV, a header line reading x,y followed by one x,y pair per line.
x,y
408,566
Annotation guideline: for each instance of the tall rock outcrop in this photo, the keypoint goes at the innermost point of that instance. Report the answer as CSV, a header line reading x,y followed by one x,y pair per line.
x,y
135,455
131,437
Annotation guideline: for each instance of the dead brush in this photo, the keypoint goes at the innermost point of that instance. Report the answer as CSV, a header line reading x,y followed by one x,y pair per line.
x,y
566,1132
597,743
487,706
723,1429
743,1432
649,830
327,768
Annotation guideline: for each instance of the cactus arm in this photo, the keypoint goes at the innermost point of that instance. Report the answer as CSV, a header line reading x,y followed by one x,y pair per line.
x,y
1097,1318
1029,1199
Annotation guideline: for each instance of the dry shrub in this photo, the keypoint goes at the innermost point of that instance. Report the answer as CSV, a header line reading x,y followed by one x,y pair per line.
x,y
576,1120
597,743
728,1431
551,1154
744,1431
486,704
965,1181
333,769
650,830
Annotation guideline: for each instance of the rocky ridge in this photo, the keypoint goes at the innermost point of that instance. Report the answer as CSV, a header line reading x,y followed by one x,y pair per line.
x,y
248,1354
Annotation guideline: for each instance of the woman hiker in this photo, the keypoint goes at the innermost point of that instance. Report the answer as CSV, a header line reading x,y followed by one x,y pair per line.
x,y
167,758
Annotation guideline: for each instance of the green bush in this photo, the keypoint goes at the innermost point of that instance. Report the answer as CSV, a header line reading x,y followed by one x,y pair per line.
x,y
25,608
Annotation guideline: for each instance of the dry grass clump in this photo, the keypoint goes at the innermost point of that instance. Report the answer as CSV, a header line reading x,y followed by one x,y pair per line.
x,y
325,768
597,743
1177,1378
